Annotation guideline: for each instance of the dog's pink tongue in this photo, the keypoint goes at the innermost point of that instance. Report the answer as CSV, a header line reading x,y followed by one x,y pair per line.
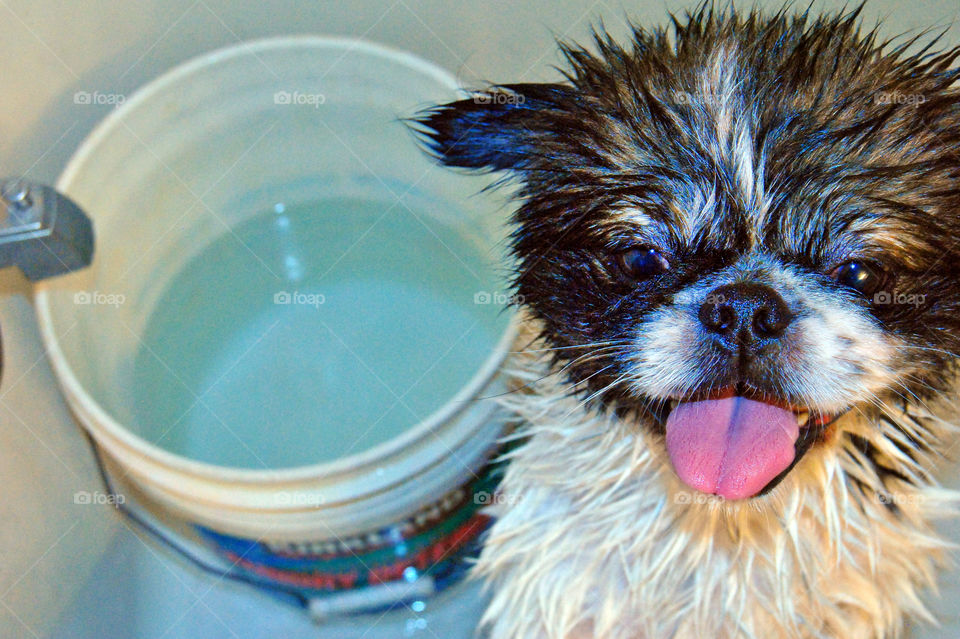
x,y
731,447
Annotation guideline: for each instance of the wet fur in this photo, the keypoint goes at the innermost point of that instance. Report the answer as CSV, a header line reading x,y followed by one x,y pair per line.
x,y
597,538
750,148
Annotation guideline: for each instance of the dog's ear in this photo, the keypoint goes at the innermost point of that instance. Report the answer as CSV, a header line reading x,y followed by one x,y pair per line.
x,y
503,128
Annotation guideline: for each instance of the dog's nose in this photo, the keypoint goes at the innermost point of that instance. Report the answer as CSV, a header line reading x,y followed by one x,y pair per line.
x,y
745,312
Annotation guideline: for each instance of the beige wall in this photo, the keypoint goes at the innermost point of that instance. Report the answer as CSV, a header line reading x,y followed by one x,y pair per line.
x,y
50,49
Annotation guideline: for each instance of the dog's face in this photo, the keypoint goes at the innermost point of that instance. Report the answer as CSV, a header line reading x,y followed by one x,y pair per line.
x,y
738,231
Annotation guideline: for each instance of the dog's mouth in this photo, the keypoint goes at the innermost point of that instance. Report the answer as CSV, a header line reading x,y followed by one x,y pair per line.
x,y
735,443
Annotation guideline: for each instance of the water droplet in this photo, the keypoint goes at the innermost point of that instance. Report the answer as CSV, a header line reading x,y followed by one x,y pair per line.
x,y
395,535
410,627
293,268
279,207
410,574
418,606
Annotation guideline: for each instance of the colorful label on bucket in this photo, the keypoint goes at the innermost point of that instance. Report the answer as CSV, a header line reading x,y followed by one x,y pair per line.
x,y
434,542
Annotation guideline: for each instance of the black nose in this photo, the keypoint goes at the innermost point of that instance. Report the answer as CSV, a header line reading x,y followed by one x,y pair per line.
x,y
745,312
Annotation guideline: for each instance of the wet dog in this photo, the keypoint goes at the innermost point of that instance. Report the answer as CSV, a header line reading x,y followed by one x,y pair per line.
x,y
737,255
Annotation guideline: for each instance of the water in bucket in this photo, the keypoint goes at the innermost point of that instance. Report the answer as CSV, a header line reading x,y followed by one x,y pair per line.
x,y
310,332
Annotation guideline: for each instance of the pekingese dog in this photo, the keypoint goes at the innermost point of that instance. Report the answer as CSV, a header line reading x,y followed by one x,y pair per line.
x,y
737,255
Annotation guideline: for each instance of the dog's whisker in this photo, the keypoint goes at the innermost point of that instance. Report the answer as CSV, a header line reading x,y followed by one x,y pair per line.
x,y
582,382
571,347
597,393
581,360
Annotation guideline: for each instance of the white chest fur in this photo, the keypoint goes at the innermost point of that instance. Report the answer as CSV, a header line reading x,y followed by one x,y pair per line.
x,y
596,537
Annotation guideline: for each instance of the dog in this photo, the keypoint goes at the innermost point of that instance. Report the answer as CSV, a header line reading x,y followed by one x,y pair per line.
x,y
737,261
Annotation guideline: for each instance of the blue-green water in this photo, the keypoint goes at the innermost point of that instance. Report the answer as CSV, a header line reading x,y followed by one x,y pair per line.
x,y
312,332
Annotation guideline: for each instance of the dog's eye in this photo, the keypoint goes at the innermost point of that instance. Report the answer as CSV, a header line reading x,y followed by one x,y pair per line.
x,y
858,276
642,263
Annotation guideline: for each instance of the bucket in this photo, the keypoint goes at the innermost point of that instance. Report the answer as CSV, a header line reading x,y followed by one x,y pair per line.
x,y
290,334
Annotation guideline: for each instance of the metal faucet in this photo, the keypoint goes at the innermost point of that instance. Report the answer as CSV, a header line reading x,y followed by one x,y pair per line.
x,y
42,232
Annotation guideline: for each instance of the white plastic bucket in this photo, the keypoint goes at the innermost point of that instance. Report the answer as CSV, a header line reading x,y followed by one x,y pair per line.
x,y
193,157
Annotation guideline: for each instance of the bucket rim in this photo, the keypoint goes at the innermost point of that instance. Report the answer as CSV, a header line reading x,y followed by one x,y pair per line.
x,y
103,427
